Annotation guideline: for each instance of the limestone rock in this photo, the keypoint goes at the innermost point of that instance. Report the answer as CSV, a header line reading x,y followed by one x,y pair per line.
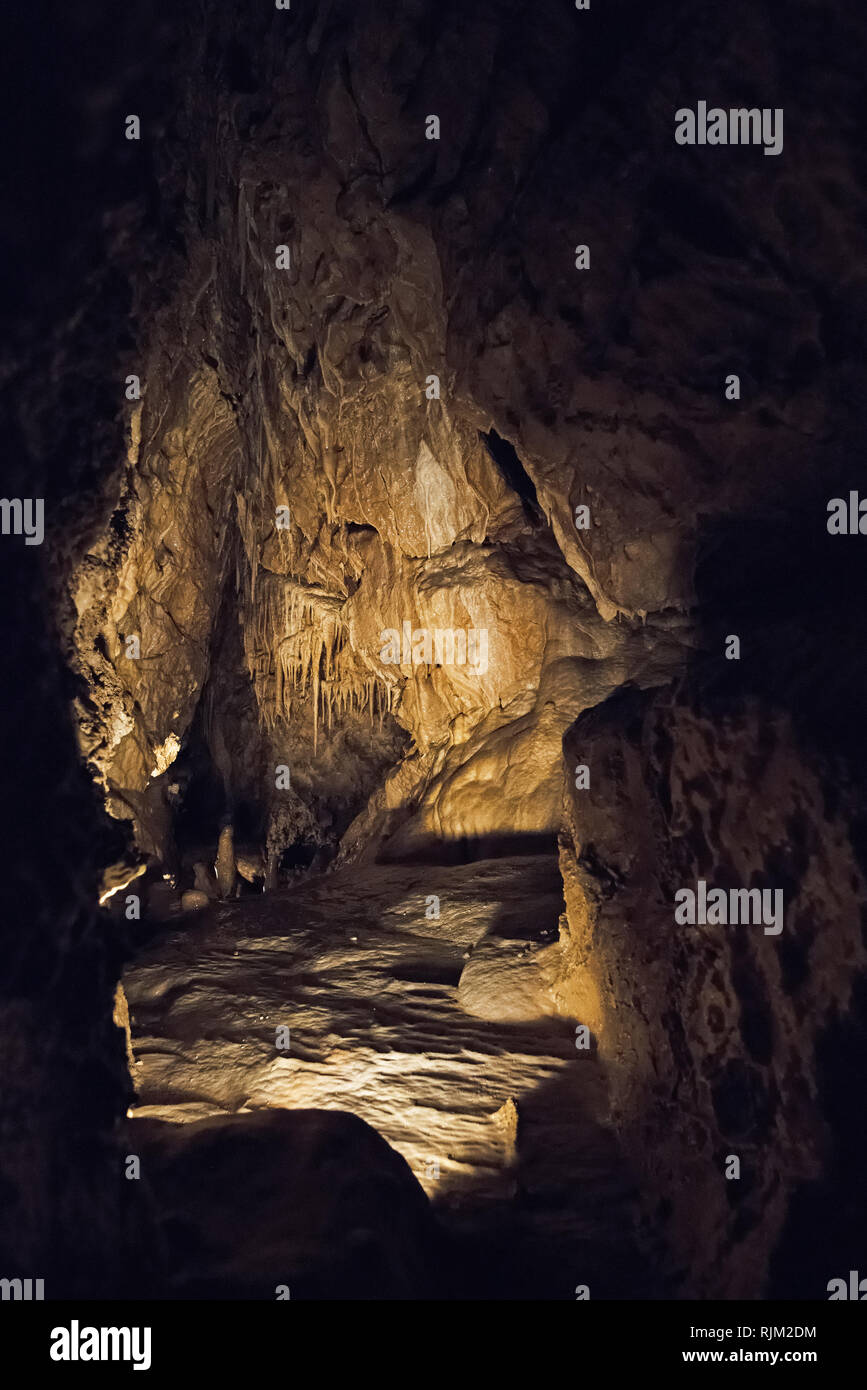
x,y
250,865
699,787
205,879
225,863
509,980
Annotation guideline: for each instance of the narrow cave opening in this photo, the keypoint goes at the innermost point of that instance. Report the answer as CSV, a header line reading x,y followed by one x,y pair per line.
x,y
196,790
514,474
200,811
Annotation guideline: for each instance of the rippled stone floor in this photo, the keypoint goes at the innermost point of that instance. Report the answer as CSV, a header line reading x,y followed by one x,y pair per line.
x,y
500,1118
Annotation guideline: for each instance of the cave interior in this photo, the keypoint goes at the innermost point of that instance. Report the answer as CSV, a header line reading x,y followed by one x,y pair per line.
x,y
437,582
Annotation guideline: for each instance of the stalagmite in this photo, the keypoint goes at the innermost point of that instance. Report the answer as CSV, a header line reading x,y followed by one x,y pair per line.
x,y
194,901
225,863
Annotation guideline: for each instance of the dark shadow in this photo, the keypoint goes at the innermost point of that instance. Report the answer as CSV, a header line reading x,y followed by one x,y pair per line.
x,y
428,971
795,595
825,1234
312,1203
514,475
468,849
562,1214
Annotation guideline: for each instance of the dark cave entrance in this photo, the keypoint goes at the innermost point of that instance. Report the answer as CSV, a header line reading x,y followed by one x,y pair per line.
x,y
514,474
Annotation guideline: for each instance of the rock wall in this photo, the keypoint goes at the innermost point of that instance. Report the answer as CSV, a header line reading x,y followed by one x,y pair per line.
x,y
68,1217
711,1033
147,592
287,262
329,261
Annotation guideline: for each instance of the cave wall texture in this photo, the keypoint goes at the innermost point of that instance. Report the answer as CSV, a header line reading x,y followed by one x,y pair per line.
x,y
307,387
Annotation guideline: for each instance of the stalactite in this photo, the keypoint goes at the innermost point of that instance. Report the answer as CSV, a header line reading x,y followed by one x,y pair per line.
x,y
312,657
296,641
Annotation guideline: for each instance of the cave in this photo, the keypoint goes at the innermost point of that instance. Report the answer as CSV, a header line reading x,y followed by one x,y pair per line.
x,y
418,581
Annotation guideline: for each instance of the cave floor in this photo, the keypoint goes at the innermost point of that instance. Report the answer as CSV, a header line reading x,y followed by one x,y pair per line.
x,y
502,1122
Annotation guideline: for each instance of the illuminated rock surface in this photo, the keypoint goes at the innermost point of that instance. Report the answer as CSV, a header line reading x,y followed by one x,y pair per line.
x,y
372,994
209,645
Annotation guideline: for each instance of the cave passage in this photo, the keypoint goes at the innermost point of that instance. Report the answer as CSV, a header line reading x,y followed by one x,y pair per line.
x,y
433,566
434,1032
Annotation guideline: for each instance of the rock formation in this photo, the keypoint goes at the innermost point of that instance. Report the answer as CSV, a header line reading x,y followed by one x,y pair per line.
x,y
389,480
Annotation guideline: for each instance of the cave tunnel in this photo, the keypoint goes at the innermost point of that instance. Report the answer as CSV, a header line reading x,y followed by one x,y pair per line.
x,y
433,593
